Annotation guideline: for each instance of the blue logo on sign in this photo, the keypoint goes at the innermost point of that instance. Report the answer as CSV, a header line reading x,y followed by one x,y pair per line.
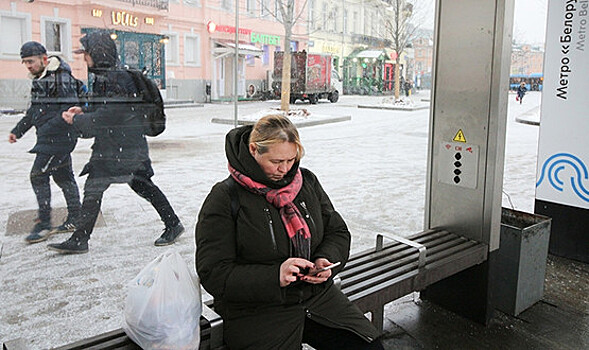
x,y
556,163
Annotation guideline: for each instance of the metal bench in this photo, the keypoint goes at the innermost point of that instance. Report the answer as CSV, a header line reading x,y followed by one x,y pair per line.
x,y
371,279
375,277
211,336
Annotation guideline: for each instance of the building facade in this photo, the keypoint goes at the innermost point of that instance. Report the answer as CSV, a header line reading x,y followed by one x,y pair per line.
x,y
423,49
526,59
187,46
354,33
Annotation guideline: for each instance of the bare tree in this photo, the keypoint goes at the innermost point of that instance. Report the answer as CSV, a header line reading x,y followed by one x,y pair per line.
x,y
287,14
401,23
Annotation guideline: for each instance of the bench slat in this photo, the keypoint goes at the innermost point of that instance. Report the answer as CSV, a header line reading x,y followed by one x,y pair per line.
x,y
399,253
384,275
392,247
381,270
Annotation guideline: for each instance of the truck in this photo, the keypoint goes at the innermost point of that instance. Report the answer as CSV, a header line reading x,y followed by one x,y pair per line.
x,y
312,77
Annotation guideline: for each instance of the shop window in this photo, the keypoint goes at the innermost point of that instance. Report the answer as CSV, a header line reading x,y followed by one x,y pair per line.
x,y
266,55
16,30
311,15
250,60
227,4
192,50
194,3
172,49
277,12
264,8
251,7
56,34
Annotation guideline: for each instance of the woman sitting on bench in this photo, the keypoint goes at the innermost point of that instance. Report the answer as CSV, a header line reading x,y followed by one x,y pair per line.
x,y
263,237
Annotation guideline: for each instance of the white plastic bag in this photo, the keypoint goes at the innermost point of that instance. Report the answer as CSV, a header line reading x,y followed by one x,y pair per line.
x,y
163,307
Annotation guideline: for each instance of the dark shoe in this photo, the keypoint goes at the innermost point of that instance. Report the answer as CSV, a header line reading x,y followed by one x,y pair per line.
x,y
71,246
170,235
67,226
40,232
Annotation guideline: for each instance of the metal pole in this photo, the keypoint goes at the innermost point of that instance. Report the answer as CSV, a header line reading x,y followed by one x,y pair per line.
x,y
344,25
235,70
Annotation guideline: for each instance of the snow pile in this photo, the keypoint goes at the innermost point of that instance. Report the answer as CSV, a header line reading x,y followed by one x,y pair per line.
x,y
403,101
294,114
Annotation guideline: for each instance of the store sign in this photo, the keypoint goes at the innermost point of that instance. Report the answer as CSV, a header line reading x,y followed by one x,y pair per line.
x,y
329,48
563,146
149,20
96,13
125,19
212,27
265,39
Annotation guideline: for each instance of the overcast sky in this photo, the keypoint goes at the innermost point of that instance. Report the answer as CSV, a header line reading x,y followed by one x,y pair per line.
x,y
529,22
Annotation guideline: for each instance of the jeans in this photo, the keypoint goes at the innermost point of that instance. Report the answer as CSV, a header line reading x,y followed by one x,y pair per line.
x,y
143,186
60,168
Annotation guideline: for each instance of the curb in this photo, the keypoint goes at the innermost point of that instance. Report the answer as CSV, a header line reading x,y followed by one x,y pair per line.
x,y
409,109
527,121
299,124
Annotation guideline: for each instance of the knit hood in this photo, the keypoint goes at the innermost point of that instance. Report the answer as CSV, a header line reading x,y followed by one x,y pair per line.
x,y
240,158
102,49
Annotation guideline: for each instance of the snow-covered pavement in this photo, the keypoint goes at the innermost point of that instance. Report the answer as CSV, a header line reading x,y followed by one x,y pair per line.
x,y
373,167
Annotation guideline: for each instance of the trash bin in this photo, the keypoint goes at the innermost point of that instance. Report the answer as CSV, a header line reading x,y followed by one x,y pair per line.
x,y
521,261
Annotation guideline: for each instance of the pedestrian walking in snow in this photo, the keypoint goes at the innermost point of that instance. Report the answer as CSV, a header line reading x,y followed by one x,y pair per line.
x,y
263,236
120,153
53,90
521,92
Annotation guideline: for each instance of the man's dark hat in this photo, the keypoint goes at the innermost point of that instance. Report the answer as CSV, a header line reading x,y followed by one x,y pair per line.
x,y
32,48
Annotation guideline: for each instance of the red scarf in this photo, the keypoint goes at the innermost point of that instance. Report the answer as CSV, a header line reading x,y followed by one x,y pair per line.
x,y
282,198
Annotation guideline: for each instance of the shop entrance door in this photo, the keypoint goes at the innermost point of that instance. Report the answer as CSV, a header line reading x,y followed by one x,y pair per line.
x,y
141,51
224,80
389,76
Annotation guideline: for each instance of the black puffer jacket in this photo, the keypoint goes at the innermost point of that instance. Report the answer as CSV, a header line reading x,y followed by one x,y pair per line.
x,y
112,119
52,93
239,261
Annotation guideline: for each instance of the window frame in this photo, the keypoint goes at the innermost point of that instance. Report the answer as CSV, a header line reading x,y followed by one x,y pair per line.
x,y
26,36
197,54
176,61
66,35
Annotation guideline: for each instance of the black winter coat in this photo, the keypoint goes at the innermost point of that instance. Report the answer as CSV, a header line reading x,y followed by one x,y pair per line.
x,y
120,148
52,93
239,261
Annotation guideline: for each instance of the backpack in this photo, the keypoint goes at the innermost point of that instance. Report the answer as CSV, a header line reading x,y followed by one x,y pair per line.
x,y
153,107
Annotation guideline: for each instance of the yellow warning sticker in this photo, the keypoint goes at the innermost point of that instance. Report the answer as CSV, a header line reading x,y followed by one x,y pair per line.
x,y
459,137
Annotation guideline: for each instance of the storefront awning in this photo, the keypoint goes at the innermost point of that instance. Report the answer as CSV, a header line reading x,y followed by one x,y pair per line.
x,y
373,54
226,48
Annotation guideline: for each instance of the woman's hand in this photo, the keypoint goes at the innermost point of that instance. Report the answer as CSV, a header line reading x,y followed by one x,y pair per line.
x,y
321,276
292,269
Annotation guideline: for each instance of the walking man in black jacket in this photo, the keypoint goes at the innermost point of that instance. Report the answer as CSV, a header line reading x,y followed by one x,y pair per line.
x,y
119,153
53,90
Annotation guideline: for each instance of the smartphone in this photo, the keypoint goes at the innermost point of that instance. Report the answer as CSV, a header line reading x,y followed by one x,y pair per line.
x,y
314,273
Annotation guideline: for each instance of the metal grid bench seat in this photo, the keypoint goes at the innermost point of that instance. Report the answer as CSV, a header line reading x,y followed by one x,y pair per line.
x,y
375,277
211,336
370,279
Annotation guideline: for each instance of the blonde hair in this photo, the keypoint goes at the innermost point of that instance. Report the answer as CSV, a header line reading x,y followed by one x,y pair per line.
x,y
273,129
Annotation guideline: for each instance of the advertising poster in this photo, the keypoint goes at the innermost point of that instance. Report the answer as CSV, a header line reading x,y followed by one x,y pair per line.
x,y
563,151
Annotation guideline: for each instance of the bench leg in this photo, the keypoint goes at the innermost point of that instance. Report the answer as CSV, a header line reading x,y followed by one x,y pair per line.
x,y
378,318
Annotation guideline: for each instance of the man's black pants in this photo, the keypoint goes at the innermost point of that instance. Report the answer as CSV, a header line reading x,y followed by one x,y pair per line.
x,y
143,186
60,168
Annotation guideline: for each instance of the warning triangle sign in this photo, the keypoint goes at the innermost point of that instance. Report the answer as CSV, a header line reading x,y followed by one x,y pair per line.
x,y
459,137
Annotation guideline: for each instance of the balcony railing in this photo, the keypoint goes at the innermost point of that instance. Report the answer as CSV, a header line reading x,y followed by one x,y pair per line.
x,y
158,4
